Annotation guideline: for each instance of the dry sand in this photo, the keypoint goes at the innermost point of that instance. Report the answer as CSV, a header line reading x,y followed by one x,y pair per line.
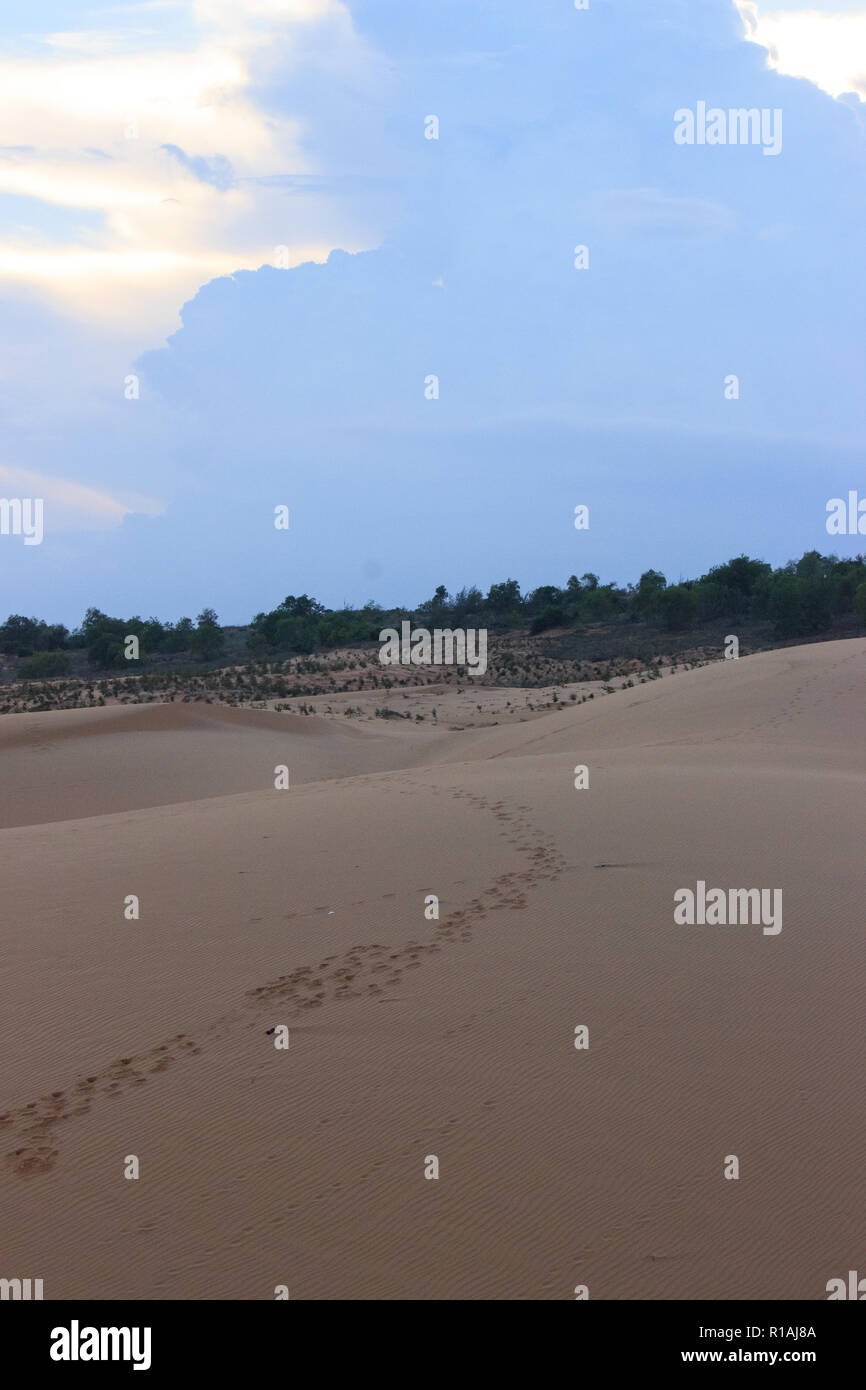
x,y
410,1037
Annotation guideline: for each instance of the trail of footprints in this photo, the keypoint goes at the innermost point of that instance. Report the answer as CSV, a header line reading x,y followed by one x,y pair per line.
x,y
34,1123
363,971
372,970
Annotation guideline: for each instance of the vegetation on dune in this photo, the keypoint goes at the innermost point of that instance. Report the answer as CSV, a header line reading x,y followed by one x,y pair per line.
x,y
582,631
43,665
800,599
104,638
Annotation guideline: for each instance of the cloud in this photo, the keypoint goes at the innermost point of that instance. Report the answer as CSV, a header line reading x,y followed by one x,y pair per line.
x,y
826,47
633,211
226,14
306,386
96,113
71,506
216,170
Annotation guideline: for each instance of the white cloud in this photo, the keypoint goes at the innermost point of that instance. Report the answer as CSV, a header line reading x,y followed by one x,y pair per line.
x,y
227,13
165,228
827,47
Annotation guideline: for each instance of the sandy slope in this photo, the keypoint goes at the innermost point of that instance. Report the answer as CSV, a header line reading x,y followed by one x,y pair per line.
x,y
411,1037
89,762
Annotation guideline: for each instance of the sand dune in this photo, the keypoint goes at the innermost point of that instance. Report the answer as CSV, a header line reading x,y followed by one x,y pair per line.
x,y
454,1037
66,764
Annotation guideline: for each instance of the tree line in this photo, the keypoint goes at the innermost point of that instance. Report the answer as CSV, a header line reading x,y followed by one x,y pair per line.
x,y
800,599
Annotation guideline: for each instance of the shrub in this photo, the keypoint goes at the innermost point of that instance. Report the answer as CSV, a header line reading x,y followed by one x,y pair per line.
x,y
43,664
548,617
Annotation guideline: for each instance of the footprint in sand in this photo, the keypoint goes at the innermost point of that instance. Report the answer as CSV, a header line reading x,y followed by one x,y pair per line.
x,y
29,1160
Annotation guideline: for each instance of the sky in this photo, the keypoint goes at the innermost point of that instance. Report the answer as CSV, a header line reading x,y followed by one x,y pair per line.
x,y
236,275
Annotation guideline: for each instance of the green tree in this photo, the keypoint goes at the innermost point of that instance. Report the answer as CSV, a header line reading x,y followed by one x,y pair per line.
x,y
504,598
678,606
19,636
302,607
435,610
178,638
646,598
104,638
546,596
741,574
797,607
467,605
208,639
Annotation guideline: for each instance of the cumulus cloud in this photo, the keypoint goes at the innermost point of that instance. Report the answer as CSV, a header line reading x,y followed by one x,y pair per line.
x,y
171,138
827,46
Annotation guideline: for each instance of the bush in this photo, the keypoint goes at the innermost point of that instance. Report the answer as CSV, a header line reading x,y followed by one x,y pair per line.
x,y
208,639
678,607
20,636
43,664
548,617
797,607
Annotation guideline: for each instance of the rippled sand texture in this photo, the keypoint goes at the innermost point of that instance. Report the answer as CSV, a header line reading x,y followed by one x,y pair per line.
x,y
412,1037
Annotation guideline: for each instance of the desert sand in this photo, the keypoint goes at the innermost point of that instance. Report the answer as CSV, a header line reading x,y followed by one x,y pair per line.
x,y
602,1166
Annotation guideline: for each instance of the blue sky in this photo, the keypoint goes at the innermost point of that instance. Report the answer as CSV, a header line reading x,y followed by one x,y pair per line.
x,y
164,163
